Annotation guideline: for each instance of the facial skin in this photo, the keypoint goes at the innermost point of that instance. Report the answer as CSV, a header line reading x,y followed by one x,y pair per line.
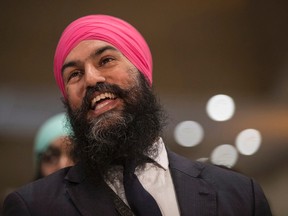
x,y
125,124
92,62
56,157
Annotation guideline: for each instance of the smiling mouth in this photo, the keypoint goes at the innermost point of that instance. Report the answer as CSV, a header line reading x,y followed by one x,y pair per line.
x,y
101,100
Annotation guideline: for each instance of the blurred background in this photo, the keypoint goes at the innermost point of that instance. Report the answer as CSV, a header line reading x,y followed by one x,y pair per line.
x,y
201,48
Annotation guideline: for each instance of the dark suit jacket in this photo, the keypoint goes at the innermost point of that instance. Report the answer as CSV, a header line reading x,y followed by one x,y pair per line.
x,y
202,190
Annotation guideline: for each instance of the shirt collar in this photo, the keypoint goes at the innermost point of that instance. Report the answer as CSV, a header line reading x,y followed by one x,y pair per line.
x,y
162,158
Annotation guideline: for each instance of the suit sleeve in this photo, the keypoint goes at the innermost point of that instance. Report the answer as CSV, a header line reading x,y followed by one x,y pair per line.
x,y
15,205
261,205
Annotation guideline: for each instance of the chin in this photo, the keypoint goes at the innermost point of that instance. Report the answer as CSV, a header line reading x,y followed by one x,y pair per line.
x,y
107,119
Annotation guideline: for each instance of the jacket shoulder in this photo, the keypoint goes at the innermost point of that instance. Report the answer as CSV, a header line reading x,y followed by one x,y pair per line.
x,y
48,185
38,197
233,190
212,173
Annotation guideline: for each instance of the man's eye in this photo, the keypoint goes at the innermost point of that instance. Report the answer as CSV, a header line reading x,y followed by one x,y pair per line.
x,y
74,74
51,155
106,60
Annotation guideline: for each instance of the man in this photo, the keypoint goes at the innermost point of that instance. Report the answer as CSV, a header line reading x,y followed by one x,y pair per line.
x,y
103,67
52,146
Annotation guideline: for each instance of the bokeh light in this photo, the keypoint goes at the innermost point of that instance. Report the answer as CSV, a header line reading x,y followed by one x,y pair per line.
x,y
220,107
224,155
248,141
188,133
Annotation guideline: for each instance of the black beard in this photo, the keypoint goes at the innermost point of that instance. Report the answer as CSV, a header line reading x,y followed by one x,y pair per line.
x,y
117,136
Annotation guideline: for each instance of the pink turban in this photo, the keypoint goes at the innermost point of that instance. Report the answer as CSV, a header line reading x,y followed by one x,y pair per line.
x,y
110,29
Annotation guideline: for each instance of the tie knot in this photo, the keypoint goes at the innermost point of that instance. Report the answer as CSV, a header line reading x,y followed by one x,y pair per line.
x,y
131,165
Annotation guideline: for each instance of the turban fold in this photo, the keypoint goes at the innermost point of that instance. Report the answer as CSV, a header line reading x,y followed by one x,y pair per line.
x,y
53,128
115,31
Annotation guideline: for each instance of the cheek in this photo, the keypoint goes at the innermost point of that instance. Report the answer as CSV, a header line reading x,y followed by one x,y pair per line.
x,y
75,96
127,79
47,169
74,103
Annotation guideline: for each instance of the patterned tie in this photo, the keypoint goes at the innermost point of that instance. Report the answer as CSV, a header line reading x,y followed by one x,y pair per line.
x,y
140,201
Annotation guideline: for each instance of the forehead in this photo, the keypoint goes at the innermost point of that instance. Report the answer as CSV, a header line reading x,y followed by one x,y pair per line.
x,y
85,48
60,142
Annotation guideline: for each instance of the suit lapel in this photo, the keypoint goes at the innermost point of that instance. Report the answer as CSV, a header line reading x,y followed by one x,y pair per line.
x,y
89,197
195,196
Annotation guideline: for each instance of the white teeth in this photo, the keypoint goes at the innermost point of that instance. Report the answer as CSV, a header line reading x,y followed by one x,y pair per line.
x,y
102,96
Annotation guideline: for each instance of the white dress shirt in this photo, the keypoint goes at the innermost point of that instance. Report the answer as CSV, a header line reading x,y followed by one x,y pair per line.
x,y
157,181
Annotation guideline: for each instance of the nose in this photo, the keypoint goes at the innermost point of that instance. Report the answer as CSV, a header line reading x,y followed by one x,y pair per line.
x,y
93,75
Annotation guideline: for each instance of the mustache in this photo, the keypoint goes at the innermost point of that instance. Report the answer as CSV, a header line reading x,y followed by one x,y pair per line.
x,y
101,88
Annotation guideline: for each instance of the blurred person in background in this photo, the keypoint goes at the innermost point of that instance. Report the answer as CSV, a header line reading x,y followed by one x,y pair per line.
x,y
103,66
52,146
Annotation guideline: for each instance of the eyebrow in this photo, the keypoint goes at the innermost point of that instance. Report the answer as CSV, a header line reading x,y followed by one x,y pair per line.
x,y
96,53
